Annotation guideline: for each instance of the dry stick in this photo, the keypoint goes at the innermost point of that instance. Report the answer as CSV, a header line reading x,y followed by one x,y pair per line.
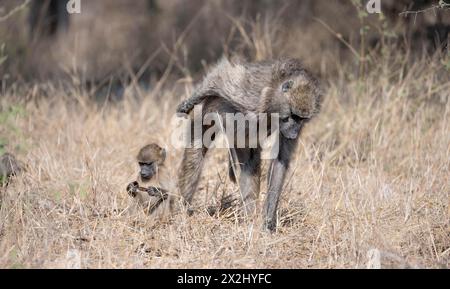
x,y
339,36
108,94
240,28
442,5
15,10
134,76
238,25
167,71
226,201
134,80
176,61
147,62
172,54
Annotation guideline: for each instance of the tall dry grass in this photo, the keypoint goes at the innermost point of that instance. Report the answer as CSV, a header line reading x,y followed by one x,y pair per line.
x,y
369,185
372,172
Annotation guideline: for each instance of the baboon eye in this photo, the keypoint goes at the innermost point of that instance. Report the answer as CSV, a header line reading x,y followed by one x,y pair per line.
x,y
145,164
298,118
285,119
287,85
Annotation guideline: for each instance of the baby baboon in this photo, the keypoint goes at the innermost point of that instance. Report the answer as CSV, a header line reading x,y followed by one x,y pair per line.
x,y
9,167
155,176
281,87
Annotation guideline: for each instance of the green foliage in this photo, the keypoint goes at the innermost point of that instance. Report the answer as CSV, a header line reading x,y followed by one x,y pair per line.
x,y
57,195
10,113
8,125
15,260
446,61
2,146
79,189
8,117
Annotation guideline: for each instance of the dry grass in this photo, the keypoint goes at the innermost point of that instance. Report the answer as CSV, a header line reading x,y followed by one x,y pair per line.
x,y
371,176
372,172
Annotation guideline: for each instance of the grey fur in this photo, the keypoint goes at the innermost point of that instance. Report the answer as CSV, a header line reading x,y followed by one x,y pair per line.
x,y
281,86
248,86
159,185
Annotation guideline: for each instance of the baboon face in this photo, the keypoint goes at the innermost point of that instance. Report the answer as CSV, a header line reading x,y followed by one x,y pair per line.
x,y
147,170
301,101
149,158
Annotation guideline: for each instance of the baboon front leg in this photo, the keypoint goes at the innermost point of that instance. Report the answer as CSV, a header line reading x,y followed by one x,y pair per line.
x,y
249,180
276,176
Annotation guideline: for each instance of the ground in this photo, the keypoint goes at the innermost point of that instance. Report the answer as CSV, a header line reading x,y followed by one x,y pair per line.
x,y
369,185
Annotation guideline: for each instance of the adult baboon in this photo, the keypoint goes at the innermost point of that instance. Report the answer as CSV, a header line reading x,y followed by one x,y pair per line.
x,y
282,87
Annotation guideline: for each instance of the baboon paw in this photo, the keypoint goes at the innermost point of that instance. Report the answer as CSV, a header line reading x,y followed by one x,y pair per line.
x,y
152,192
184,108
132,189
270,227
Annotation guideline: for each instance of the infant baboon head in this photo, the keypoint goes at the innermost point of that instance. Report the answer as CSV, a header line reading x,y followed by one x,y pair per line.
x,y
298,94
150,158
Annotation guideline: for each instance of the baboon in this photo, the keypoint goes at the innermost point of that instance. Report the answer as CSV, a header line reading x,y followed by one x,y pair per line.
x,y
155,176
282,86
9,167
158,185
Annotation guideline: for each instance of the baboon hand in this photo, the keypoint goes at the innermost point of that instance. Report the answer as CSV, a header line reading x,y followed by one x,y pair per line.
x,y
157,192
132,188
153,192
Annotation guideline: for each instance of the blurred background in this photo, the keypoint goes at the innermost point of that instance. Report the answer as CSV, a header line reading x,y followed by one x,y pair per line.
x,y
114,42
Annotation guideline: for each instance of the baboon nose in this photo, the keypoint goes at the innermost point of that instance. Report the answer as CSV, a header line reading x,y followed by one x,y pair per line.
x,y
146,176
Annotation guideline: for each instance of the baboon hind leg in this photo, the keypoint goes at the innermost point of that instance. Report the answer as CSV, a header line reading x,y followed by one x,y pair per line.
x,y
190,172
249,180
